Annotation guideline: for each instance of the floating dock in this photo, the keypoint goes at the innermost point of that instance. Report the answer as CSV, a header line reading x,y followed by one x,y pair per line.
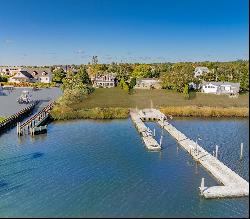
x,y
232,184
147,138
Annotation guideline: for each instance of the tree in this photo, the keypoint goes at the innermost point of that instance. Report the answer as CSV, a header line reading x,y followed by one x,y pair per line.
x,y
83,75
132,83
186,91
58,75
178,76
142,71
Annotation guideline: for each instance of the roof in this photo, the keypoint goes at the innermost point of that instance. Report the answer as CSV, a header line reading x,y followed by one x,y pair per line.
x,y
26,74
202,68
39,72
237,85
148,79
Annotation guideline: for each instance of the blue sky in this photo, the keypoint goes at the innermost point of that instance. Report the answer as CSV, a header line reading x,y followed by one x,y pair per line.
x,y
46,32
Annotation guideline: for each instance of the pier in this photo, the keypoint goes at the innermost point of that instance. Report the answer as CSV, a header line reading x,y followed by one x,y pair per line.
x,y
11,121
232,184
35,124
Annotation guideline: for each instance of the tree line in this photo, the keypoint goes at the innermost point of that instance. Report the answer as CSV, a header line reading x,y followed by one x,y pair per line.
x,y
174,76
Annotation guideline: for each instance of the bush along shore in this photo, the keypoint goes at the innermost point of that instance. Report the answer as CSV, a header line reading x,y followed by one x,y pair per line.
x,y
195,111
67,113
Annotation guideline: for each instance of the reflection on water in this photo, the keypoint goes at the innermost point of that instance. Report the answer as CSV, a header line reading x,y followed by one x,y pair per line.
x,y
101,169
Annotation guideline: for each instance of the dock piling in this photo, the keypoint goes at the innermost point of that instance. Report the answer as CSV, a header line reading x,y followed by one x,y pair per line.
x,y
241,151
216,151
161,140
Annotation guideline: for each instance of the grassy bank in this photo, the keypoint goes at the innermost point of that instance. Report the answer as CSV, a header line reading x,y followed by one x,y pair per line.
x,y
114,103
115,97
194,111
66,113
1,119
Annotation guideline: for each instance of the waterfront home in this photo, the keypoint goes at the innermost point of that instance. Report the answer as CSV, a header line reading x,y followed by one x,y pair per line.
x,y
148,83
21,76
32,75
105,81
199,71
220,88
9,71
42,76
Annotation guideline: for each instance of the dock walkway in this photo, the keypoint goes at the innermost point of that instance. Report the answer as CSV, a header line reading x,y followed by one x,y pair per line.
x,y
34,124
232,184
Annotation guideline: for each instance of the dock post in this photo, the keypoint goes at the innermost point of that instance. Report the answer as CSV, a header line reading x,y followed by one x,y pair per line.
x,y
241,151
154,132
213,153
161,140
216,151
17,128
202,187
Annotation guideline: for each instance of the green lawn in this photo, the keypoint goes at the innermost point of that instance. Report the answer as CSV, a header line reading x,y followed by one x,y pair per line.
x,y
115,97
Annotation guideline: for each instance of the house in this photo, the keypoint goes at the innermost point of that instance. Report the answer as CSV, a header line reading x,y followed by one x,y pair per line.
x,y
21,76
106,81
43,76
32,75
199,71
9,71
148,83
220,88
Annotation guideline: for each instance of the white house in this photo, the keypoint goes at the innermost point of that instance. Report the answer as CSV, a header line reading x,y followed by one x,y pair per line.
x,y
21,76
105,81
220,88
43,76
147,83
199,71
32,75
9,71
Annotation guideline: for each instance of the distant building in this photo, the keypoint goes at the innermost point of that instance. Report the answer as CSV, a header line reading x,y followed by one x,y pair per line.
x,y
220,88
65,68
9,71
148,83
105,81
199,71
32,75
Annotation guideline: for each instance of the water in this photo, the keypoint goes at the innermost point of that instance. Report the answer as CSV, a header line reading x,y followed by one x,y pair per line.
x,y
101,169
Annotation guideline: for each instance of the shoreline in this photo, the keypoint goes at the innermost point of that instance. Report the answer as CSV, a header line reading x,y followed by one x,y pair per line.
x,y
67,113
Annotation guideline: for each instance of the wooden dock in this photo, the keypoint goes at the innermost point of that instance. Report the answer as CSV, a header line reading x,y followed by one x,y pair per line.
x,y
232,184
35,124
148,139
17,117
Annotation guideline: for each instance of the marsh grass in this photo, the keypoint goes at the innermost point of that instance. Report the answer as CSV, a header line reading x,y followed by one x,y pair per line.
x,y
195,111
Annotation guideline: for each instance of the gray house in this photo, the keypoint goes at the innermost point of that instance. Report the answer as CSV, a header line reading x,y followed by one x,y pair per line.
x,y
220,88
